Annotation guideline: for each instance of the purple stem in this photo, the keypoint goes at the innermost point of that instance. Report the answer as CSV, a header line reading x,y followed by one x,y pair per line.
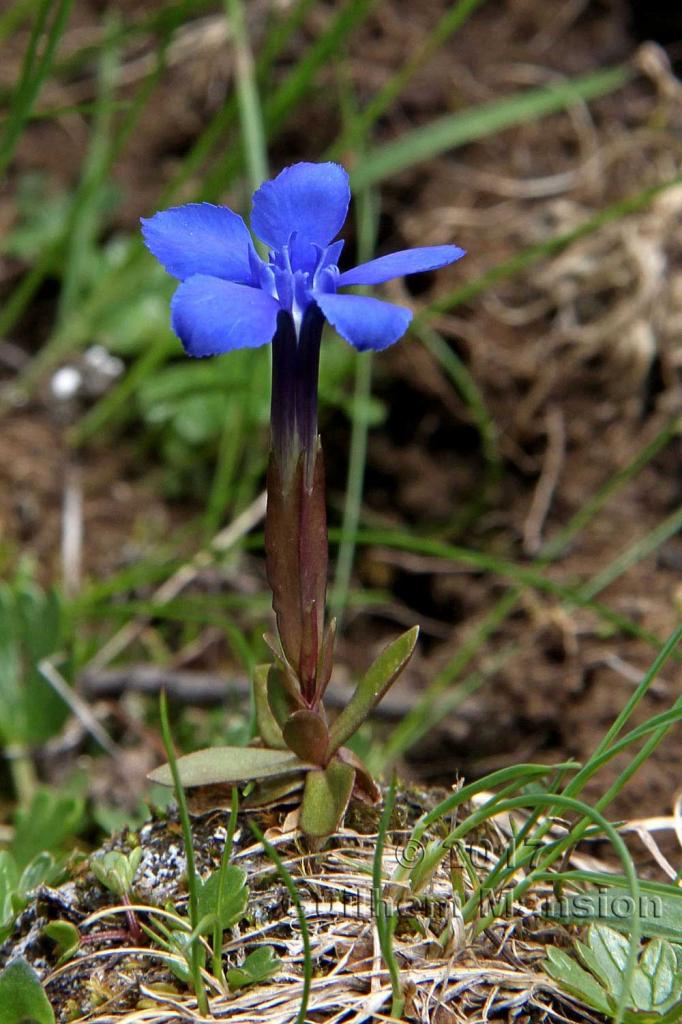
x,y
295,528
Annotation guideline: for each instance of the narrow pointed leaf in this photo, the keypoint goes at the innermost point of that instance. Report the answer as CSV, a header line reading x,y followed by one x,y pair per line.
x,y
281,701
325,799
380,677
307,735
289,677
268,727
230,764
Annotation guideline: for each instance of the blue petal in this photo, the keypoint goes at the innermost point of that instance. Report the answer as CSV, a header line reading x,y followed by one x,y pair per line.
x,y
211,316
200,238
397,264
311,199
364,322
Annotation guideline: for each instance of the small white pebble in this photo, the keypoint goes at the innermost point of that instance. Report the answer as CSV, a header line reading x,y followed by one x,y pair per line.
x,y
66,383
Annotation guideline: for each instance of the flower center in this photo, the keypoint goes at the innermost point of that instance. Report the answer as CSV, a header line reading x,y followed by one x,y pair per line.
x,y
296,272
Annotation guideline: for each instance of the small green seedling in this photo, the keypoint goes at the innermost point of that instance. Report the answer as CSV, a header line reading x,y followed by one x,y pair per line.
x,y
655,989
116,870
259,965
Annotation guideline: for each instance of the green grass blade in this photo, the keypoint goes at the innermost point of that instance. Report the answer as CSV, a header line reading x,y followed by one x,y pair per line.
x,y
300,913
549,801
460,128
666,529
386,920
550,247
250,115
26,90
13,17
482,560
296,86
475,402
449,23
86,210
192,877
30,88
409,727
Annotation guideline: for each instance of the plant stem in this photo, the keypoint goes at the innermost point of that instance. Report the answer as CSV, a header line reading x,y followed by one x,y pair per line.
x,y
224,862
23,774
199,988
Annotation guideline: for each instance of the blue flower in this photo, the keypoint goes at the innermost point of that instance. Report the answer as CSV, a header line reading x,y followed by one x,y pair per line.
x,y
230,298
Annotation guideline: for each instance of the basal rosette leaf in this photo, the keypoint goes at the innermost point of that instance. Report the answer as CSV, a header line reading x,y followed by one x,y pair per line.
x,y
230,765
326,795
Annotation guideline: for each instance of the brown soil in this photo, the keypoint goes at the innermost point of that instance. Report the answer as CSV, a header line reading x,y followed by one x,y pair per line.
x,y
577,360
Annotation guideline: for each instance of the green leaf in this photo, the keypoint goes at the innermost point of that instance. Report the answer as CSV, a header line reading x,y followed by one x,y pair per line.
x,y
232,900
380,677
574,979
49,820
307,735
22,998
656,983
268,727
66,936
259,965
609,956
230,764
325,799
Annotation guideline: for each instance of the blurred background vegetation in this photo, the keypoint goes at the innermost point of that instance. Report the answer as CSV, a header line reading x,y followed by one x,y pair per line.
x,y
508,475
